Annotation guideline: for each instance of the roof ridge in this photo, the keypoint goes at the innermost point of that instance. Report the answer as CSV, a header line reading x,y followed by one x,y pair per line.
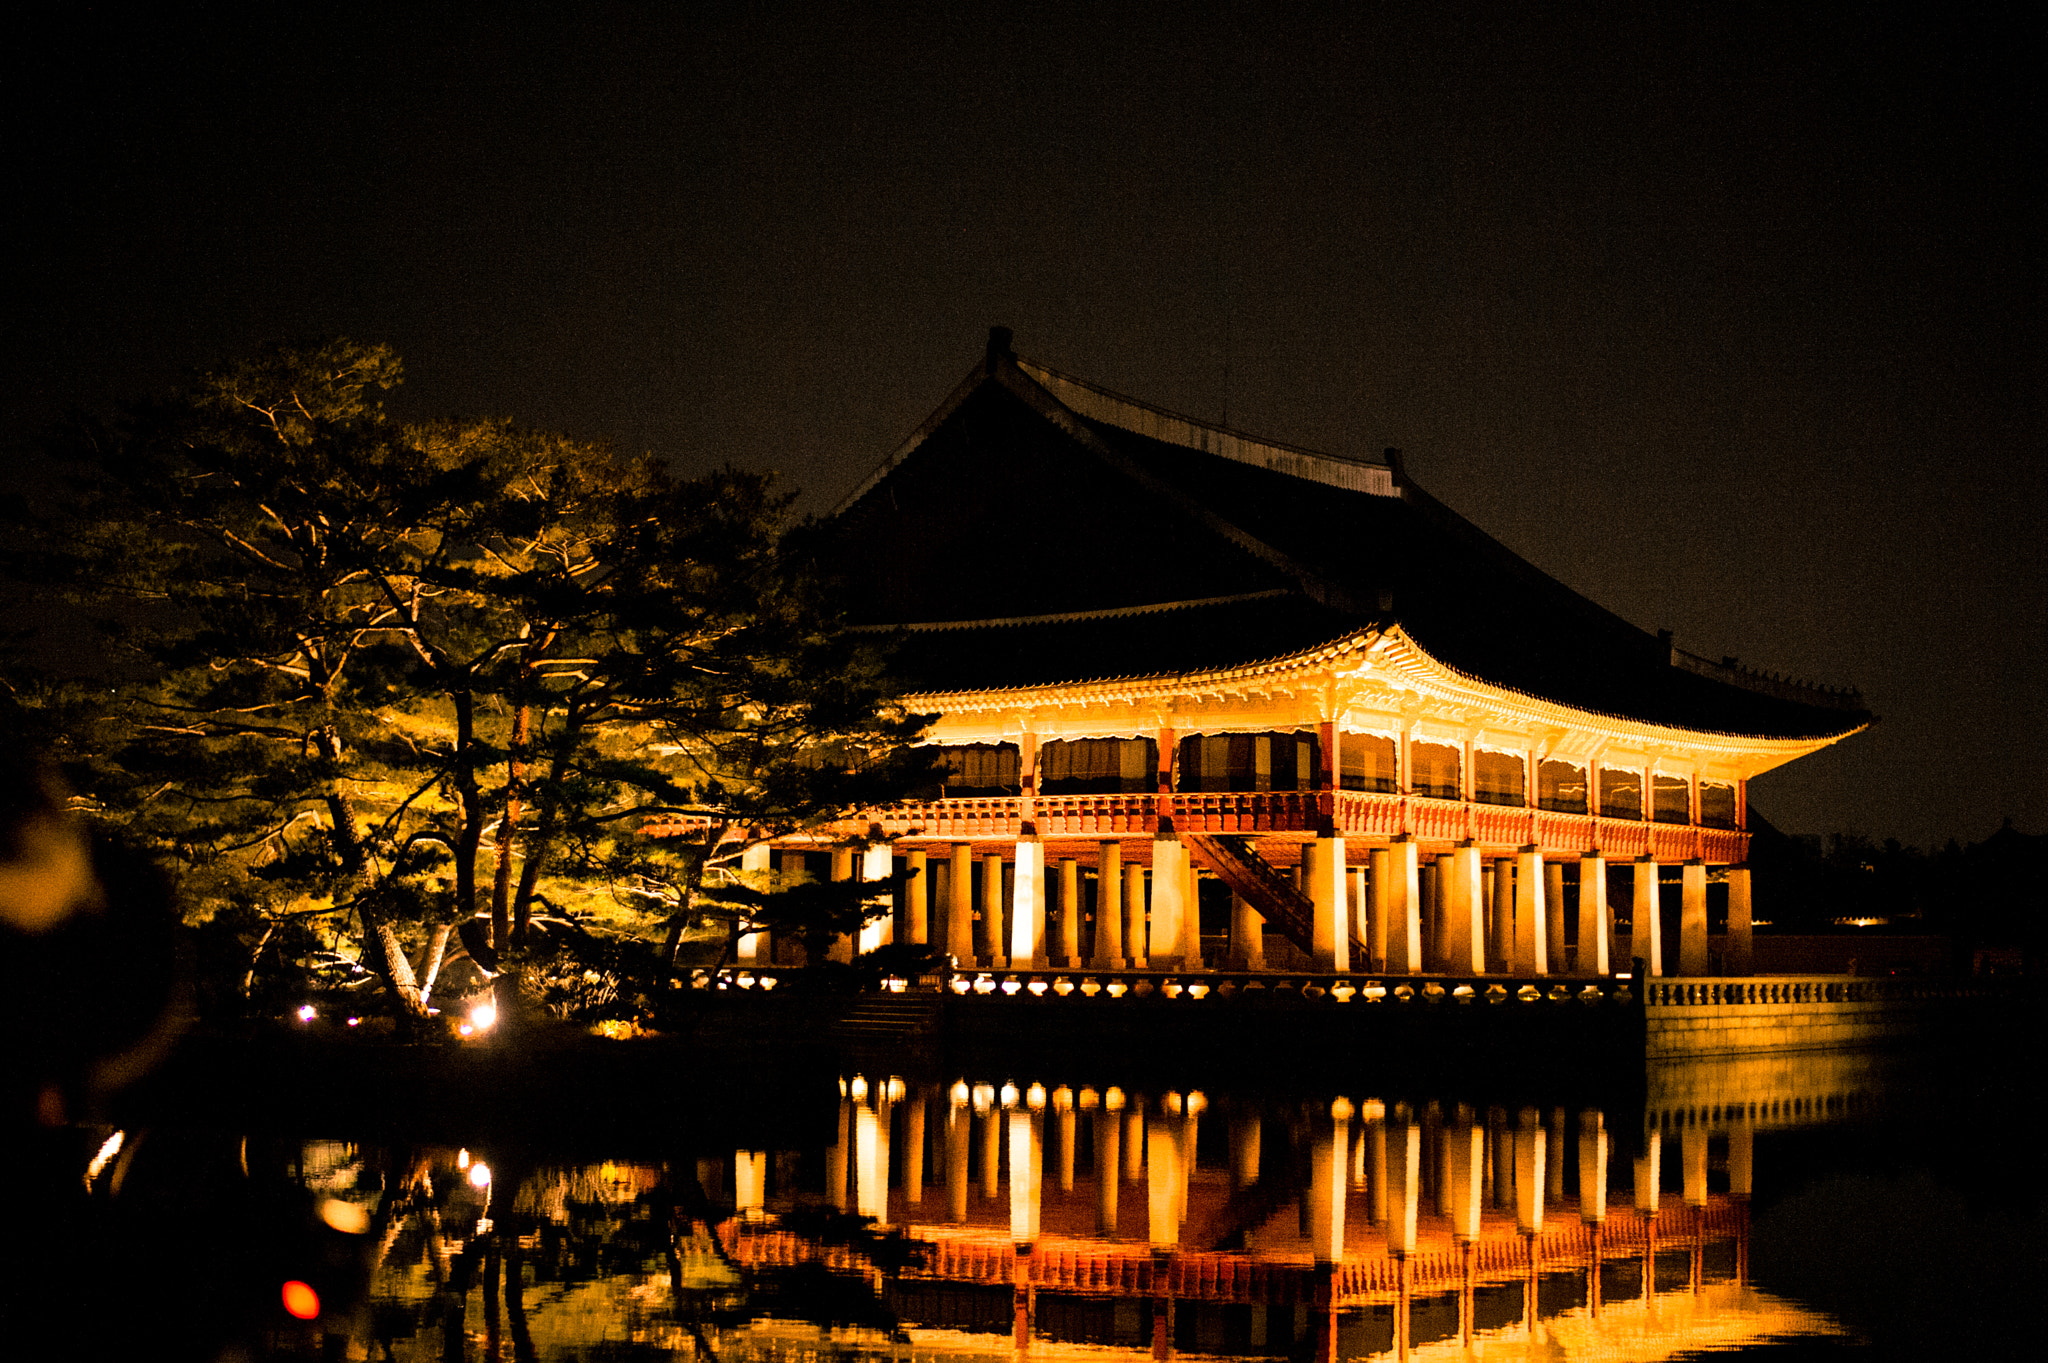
x,y
1068,617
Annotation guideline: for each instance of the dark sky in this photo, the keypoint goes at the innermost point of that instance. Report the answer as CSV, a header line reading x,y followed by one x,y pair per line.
x,y
1729,317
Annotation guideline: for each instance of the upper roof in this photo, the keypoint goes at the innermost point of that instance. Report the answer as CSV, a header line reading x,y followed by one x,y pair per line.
x,y
1038,529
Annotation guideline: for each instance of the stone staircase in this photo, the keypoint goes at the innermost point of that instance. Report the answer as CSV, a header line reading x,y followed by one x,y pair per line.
x,y
880,1021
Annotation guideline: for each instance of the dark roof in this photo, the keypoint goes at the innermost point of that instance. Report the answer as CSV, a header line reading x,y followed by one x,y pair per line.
x,y
1011,503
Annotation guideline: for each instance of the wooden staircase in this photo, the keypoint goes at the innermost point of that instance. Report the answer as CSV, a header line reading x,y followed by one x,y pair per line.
x,y
1265,887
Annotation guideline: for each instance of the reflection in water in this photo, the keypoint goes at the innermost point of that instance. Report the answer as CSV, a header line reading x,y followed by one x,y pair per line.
x,y
980,1216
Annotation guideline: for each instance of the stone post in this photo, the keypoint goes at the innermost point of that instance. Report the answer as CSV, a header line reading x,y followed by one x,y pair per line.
x,y
960,905
1647,937
755,946
842,869
916,911
1168,949
1741,951
1109,906
877,864
1553,917
1529,1173
1464,938
1109,1130
1592,1167
1247,935
1137,936
992,941
1027,909
1323,868
1162,1175
1532,933
1502,948
1692,920
1404,1185
913,1147
1070,912
1593,915
1396,894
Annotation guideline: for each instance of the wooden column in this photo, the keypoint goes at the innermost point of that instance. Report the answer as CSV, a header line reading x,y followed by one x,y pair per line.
x,y
916,913
1692,920
994,946
1647,940
1741,948
1070,911
1593,915
1109,906
1464,921
960,905
1532,931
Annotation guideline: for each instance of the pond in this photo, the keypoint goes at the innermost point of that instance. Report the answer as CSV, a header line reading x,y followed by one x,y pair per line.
x,y
1779,1207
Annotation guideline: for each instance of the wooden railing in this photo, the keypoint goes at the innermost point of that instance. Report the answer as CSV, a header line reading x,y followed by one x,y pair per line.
x,y
1352,813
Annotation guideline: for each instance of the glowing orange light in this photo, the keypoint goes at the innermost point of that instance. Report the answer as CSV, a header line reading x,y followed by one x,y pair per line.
x,y
301,1300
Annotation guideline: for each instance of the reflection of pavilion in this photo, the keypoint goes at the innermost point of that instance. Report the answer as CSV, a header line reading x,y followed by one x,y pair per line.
x,y
1359,1227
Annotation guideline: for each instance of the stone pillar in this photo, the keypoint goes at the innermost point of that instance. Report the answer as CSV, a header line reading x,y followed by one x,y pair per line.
x,y
1553,915
842,869
1109,906
877,864
1360,899
1464,938
1396,894
1646,934
1247,935
1070,912
750,1184
1108,1156
1500,946
1530,1155
1532,933
1323,869
755,946
1593,1167
1429,912
916,909
1137,937
790,866
1026,1176
1330,1141
1027,909
960,905
993,944
1191,920
1692,920
1593,916
1168,949
1741,952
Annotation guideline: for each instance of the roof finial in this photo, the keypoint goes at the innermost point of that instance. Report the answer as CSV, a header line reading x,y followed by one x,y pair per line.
x,y
999,339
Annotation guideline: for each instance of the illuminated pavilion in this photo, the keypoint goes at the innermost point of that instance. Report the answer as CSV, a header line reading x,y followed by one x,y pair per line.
x,y
1215,668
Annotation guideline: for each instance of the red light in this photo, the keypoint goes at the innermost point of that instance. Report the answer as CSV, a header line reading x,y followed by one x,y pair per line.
x,y
300,1300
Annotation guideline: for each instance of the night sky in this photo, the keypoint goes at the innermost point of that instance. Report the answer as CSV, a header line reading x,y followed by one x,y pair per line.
x,y
1730,318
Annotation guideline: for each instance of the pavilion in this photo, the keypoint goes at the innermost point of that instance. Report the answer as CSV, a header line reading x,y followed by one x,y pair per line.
x,y
1172,663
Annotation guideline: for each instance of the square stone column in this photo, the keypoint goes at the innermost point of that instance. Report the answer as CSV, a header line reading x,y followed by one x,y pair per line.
x,y
1501,949
1170,911
1109,906
1593,915
1396,892
1741,942
755,946
1532,933
1692,920
1027,907
1646,931
1137,934
1070,912
1464,933
960,905
994,944
1323,869
916,914
1553,918
1247,935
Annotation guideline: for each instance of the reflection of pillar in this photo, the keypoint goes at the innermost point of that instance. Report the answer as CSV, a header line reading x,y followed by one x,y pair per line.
x,y
1532,935
755,946
877,864
991,1153
1027,908
993,946
1136,938
1692,1154
1593,1167
750,1183
1464,940
1070,912
1404,1184
835,1157
842,869
916,912
1464,1172
1647,937
1376,1169
958,1130
1594,920
1327,1183
870,1163
1649,1173
1245,1132
1108,1128
1741,1158
1068,1122
1740,950
1247,935
1692,919
1501,952
1162,1179
960,905
1529,1173
1109,906
1026,1175
913,1148
1134,1143
1553,1179
1553,917
1168,949
1396,899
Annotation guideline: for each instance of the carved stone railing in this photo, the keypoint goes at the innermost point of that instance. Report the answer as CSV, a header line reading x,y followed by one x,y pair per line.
x,y
1779,990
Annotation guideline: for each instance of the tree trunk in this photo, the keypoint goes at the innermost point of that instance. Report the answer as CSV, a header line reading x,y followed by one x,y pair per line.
x,y
503,927
432,957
